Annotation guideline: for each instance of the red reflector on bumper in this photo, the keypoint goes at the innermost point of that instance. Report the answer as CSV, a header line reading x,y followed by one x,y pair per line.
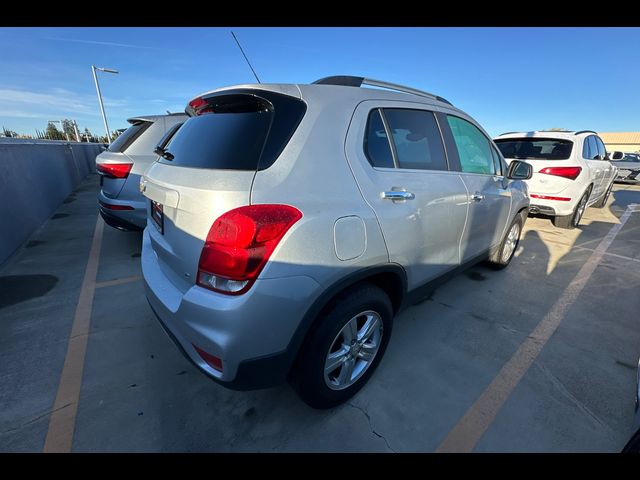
x,y
212,361
546,197
109,206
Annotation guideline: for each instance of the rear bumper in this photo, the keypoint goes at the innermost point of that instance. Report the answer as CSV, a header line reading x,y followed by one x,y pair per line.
x,y
249,332
552,207
134,219
541,210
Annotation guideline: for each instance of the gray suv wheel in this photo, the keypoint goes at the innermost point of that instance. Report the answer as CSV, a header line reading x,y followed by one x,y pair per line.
x,y
345,347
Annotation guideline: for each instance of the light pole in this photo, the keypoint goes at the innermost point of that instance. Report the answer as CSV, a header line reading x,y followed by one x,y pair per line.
x,y
95,78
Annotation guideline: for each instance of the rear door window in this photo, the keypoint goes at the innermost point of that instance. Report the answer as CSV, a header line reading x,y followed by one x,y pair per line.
x,y
416,138
376,143
602,151
593,148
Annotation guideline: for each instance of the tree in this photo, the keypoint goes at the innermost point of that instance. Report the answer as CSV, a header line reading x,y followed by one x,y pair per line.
x,y
53,133
69,130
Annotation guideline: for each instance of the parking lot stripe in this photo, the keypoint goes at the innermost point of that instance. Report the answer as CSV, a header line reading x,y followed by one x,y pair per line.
x,y
62,422
118,281
471,427
609,254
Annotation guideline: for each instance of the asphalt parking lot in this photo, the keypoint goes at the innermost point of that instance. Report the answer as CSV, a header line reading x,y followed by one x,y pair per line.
x,y
540,357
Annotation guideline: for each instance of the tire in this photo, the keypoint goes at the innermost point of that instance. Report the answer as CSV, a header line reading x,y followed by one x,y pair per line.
x,y
572,221
603,200
331,335
501,256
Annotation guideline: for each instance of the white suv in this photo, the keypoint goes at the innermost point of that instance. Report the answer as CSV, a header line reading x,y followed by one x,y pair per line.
x,y
571,171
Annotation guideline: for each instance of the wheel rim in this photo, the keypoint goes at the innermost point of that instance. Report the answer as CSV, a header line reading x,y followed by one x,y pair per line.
x,y
580,210
510,243
353,350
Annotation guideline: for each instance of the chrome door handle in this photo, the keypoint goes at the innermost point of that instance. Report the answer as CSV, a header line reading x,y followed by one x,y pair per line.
x,y
477,197
398,195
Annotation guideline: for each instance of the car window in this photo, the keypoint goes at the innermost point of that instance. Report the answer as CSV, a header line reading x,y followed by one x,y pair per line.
x,y
473,147
535,148
586,149
416,138
376,144
602,151
593,148
129,136
496,161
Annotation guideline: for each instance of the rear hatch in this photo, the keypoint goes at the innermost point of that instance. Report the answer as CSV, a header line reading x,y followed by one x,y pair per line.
x,y
551,155
209,167
109,163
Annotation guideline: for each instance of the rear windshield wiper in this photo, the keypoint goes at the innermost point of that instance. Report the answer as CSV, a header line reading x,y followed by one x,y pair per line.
x,y
163,153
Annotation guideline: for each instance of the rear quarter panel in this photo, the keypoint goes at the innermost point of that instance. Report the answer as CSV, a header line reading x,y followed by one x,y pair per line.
x,y
313,175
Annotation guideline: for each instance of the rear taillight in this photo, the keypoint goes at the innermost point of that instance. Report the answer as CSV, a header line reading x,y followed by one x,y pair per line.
x,y
565,172
114,170
239,244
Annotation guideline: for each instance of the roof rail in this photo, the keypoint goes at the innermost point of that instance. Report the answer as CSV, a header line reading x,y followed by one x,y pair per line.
x,y
585,131
351,81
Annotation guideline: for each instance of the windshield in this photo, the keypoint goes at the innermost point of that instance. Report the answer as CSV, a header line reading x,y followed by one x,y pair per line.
x,y
235,131
535,148
129,136
631,157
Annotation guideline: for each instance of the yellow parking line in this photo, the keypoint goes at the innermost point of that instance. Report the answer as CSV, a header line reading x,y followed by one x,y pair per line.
x,y
471,427
62,422
118,281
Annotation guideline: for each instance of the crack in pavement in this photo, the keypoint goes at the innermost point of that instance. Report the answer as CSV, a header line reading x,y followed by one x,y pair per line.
x,y
366,414
33,420
564,391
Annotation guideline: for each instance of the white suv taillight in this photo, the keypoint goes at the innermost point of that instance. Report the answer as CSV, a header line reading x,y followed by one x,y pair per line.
x,y
239,243
567,172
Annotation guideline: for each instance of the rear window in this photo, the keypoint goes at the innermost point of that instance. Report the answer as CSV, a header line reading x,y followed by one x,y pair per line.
x,y
129,136
535,148
235,131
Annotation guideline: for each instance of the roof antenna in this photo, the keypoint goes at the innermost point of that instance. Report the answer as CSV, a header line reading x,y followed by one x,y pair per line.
x,y
245,57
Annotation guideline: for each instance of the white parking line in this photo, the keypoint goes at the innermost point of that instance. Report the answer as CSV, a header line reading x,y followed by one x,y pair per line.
x,y
471,427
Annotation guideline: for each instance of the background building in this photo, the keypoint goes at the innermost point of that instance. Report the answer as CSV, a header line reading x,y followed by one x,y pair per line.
x,y
621,141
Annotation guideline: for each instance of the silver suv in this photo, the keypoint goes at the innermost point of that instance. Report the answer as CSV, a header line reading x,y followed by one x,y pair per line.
x,y
288,224
120,202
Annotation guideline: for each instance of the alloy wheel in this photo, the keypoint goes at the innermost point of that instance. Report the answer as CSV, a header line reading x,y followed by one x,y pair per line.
x,y
353,350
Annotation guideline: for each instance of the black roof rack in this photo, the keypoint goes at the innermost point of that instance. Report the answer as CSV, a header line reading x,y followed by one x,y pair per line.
x,y
351,81
585,131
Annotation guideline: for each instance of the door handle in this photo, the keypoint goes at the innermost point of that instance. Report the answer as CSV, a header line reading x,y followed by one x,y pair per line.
x,y
477,197
398,195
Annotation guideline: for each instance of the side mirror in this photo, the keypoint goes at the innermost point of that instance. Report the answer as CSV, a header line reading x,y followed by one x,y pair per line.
x,y
519,170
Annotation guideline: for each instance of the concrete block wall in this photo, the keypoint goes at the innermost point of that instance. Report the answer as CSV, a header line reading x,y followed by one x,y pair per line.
x,y
35,177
